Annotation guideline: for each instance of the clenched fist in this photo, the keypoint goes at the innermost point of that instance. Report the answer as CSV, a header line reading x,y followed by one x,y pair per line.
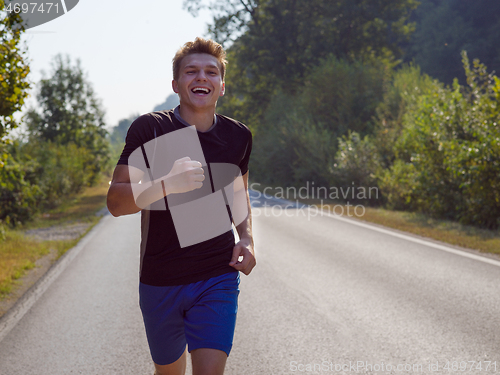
x,y
186,175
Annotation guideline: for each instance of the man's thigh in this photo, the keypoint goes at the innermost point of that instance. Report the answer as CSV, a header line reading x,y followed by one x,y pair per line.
x,y
210,322
201,314
163,319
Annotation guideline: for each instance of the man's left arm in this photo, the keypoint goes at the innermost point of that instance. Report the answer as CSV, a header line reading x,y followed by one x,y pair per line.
x,y
245,247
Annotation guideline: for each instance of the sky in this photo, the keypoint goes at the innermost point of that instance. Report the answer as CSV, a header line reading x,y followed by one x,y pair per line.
x,y
125,48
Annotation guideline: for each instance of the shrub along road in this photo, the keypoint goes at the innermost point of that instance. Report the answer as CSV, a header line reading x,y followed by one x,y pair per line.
x,y
326,295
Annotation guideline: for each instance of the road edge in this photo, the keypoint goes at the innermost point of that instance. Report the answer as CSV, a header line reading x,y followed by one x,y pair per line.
x,y
9,320
484,257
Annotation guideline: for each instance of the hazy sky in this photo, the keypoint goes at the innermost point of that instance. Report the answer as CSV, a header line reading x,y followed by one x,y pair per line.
x,y
125,47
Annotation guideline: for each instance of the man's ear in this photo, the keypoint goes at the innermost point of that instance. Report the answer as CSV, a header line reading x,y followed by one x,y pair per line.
x,y
175,87
223,89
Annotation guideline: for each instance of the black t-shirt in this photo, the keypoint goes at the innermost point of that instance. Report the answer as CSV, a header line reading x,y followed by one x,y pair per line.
x,y
163,261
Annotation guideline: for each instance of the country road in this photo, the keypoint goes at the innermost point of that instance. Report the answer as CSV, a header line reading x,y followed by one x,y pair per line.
x,y
327,296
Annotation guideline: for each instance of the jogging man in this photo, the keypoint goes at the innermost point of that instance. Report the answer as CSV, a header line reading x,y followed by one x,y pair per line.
x,y
190,263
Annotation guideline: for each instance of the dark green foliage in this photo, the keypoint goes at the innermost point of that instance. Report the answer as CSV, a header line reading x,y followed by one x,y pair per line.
x,y
40,175
283,40
292,148
316,82
18,197
297,139
343,96
445,28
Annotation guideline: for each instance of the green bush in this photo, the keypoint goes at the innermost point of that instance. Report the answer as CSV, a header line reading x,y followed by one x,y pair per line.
x,y
19,198
449,146
357,163
343,96
297,141
291,148
399,102
40,175
397,184
61,169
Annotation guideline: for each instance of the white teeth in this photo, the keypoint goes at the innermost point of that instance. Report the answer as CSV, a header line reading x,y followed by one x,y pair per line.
x,y
200,89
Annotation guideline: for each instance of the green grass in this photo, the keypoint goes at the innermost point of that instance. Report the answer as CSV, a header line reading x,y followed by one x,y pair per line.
x,y
79,208
18,252
17,255
484,240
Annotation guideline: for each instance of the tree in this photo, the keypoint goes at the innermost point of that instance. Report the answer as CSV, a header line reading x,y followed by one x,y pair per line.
x,y
448,151
14,71
17,196
170,102
119,132
231,17
445,28
70,112
280,41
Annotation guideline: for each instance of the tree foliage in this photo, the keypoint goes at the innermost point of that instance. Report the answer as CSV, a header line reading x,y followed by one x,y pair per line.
x,y
322,86
70,112
65,148
14,71
283,40
299,133
445,28
119,132
230,17
448,163
357,163
20,195
292,148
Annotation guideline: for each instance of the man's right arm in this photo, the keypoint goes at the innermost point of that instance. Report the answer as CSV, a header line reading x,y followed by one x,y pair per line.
x,y
126,195
120,199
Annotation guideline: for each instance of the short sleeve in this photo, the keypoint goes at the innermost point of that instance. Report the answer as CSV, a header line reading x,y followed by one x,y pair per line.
x,y
137,135
246,156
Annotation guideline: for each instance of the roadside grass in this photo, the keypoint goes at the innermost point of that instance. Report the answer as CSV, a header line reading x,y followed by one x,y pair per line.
x,y
19,252
81,207
447,231
453,233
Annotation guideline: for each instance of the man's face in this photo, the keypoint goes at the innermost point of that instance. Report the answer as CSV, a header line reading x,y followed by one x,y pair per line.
x,y
200,82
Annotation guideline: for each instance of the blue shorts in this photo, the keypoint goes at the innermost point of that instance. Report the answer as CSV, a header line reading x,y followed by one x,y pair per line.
x,y
201,315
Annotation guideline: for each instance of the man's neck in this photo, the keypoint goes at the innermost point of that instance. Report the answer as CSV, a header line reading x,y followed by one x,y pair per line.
x,y
202,120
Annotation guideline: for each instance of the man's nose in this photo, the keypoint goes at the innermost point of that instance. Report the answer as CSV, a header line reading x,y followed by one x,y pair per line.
x,y
201,76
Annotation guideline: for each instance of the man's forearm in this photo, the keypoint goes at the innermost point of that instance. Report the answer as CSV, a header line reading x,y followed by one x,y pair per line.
x,y
120,199
127,198
244,229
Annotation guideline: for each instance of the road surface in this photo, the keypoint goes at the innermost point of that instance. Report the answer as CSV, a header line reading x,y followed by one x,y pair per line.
x,y
326,296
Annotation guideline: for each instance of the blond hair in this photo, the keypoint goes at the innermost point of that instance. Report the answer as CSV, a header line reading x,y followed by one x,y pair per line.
x,y
200,45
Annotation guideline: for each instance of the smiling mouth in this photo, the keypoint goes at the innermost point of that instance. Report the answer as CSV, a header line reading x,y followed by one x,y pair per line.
x,y
200,90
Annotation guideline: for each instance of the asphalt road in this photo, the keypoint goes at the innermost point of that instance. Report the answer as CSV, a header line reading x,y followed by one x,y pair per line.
x,y
326,296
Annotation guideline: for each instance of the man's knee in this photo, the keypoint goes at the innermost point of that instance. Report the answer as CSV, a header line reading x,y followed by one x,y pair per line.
x,y
176,368
208,361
